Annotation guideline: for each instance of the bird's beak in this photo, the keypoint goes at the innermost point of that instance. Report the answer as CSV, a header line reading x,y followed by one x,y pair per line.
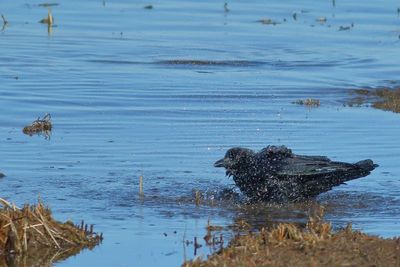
x,y
219,163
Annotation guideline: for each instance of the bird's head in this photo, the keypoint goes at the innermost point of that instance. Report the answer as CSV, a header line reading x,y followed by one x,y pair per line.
x,y
235,159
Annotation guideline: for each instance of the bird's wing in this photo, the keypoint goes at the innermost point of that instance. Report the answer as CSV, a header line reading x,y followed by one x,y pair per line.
x,y
274,152
306,166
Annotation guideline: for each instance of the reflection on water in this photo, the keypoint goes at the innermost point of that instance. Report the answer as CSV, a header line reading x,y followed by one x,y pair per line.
x,y
163,92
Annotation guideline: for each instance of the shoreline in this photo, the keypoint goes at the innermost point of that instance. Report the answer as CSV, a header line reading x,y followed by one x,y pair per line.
x,y
315,245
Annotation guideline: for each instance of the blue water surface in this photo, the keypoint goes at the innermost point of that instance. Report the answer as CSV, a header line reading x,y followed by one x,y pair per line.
x,y
163,93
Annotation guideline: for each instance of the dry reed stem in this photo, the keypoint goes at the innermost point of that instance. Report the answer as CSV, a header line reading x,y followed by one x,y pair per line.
x,y
197,197
49,20
7,204
141,185
46,227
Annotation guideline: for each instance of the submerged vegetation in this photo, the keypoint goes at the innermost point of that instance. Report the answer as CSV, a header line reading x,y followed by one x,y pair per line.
x,y
31,235
268,21
381,98
310,102
315,245
48,4
39,126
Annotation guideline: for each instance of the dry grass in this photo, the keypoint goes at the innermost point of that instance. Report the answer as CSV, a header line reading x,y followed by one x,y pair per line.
x,y
316,245
31,234
39,126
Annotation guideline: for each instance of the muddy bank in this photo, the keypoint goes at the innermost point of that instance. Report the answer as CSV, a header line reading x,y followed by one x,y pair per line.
x,y
315,245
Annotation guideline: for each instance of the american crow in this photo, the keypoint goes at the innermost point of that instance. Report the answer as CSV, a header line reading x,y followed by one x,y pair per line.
x,y
276,174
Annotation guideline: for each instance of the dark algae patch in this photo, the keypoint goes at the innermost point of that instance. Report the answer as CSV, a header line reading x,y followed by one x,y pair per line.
x,y
315,245
195,62
30,235
381,98
310,102
48,4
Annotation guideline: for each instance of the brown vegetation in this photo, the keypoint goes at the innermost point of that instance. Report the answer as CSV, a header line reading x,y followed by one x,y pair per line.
x,y
316,245
382,98
31,237
39,126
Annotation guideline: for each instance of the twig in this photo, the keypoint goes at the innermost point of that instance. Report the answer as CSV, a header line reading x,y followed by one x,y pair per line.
x,y
48,230
8,204
25,247
37,230
5,22
66,240
35,225
198,195
141,185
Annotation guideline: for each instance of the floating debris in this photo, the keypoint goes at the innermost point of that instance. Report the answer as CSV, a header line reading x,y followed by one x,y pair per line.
x,y
346,28
30,234
310,102
226,9
49,20
382,98
148,7
48,4
315,245
199,62
322,19
39,126
5,22
267,21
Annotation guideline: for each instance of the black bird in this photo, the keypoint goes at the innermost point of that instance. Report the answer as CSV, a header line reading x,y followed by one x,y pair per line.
x,y
276,174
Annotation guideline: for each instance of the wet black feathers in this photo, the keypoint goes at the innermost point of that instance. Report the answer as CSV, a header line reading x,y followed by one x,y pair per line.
x,y
277,174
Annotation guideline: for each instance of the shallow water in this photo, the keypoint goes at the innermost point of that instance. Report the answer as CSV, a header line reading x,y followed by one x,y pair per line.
x,y
163,93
